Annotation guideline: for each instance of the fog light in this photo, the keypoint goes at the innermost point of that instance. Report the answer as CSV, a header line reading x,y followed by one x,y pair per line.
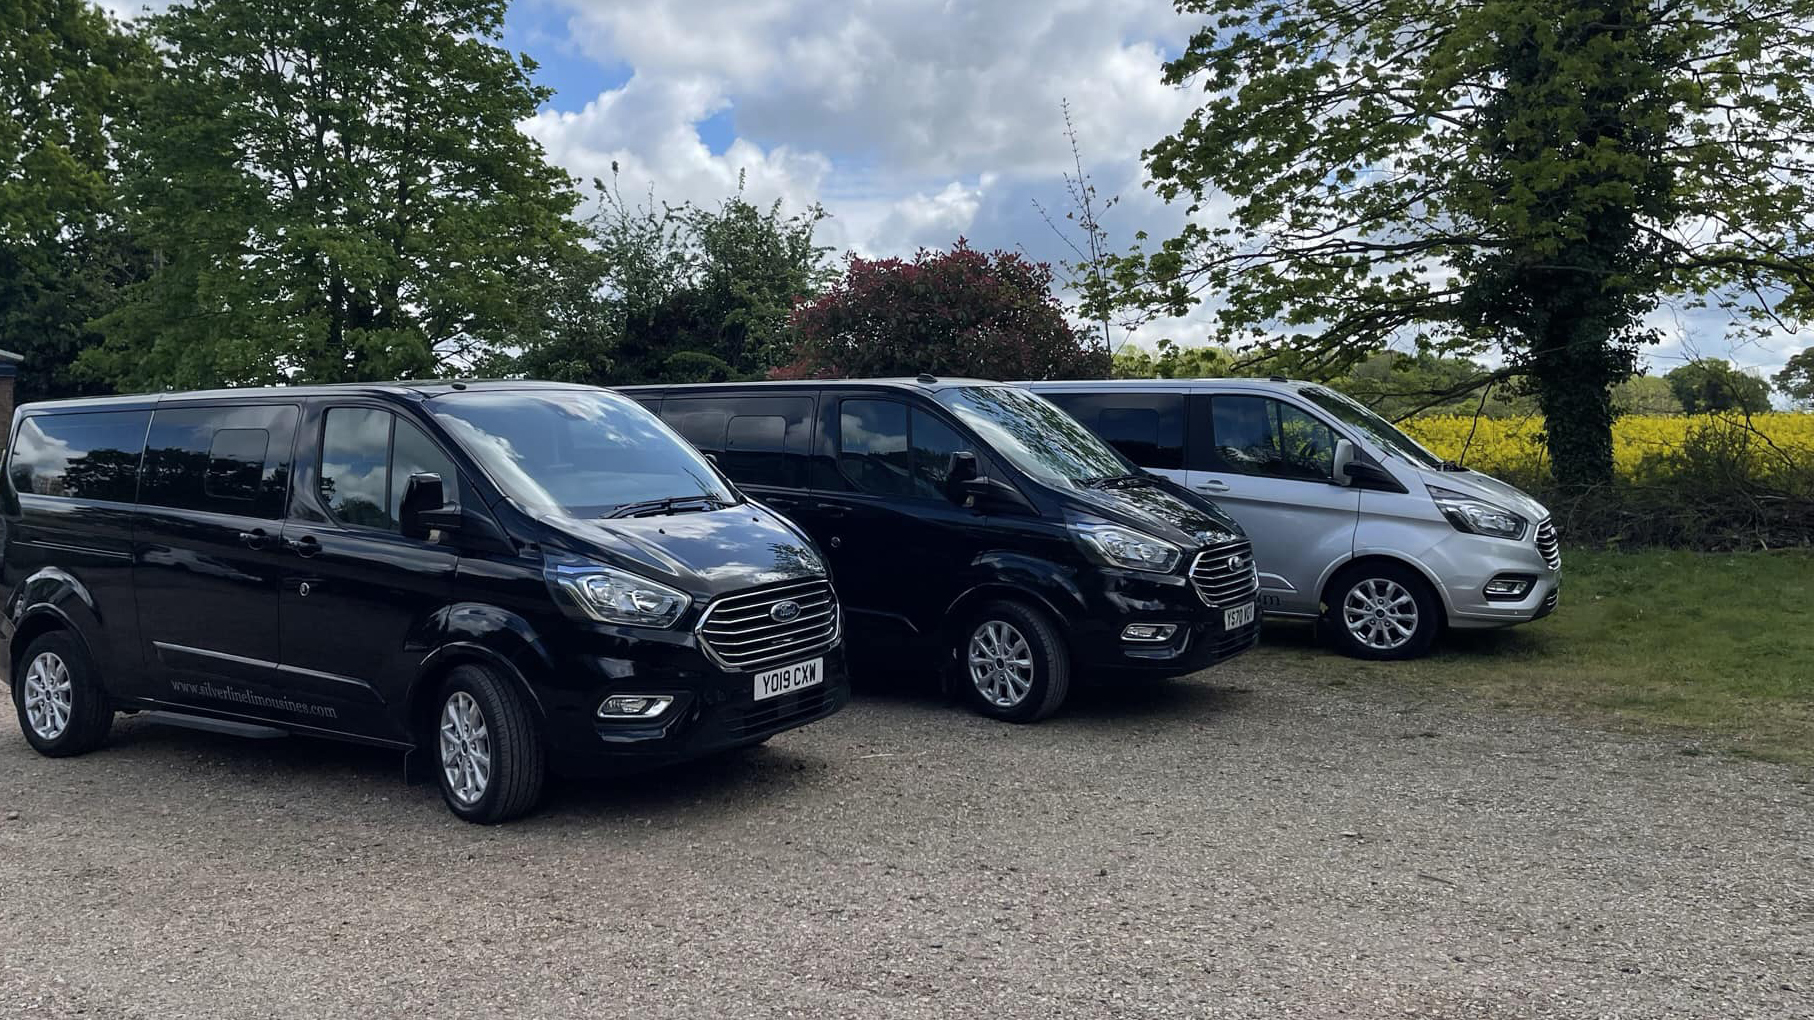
x,y
634,706
1149,631
1508,588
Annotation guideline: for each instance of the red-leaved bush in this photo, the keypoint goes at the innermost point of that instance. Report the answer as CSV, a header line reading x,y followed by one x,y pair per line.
x,y
955,313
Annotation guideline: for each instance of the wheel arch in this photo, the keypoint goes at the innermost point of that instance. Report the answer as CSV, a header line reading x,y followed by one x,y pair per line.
x,y
1360,563
423,695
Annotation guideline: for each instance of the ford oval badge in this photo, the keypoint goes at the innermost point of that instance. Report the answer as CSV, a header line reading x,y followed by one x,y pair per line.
x,y
784,611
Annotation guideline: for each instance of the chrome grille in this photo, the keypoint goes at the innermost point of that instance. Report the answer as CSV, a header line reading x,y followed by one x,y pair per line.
x,y
740,633
1219,584
1549,545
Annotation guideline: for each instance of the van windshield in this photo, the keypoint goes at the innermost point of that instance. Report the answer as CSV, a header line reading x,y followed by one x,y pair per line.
x,y
581,453
1382,432
1035,435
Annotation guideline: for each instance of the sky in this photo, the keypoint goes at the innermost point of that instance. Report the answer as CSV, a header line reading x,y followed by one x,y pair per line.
x,y
912,122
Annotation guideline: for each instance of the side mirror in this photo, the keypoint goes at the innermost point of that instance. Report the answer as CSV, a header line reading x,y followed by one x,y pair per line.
x,y
1372,476
1344,458
425,508
961,468
983,494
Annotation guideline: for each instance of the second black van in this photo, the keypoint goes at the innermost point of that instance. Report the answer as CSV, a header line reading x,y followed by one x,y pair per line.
x,y
979,526
506,578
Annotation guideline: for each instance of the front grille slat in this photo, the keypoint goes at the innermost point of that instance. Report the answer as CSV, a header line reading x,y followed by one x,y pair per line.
x,y
1549,545
738,633
1220,587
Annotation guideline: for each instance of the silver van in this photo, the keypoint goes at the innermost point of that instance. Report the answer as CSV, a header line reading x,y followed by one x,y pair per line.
x,y
1352,521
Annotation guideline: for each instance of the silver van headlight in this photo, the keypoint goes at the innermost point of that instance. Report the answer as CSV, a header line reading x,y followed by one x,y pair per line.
x,y
1477,516
610,595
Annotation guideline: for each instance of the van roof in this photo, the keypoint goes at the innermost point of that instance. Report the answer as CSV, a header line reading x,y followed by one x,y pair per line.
x,y
924,383
419,389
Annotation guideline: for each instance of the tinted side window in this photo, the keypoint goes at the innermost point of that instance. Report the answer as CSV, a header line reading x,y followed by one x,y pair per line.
x,y
1148,428
414,453
1261,436
872,446
225,460
82,456
933,444
355,461
755,447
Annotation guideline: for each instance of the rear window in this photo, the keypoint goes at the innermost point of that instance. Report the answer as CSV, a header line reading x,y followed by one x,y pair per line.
x,y
90,455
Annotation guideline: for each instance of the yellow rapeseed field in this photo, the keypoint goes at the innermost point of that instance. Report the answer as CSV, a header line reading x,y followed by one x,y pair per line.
x,y
1642,444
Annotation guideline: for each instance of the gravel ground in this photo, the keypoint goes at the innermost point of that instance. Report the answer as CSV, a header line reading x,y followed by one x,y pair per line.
x,y
1237,844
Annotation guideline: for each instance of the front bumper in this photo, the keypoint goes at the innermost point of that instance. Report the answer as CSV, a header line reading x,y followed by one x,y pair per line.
x,y
712,711
1465,563
1129,597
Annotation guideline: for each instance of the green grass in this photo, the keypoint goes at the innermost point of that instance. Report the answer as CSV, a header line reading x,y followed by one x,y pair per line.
x,y
1716,647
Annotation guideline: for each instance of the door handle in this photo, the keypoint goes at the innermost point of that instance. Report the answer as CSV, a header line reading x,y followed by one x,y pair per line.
x,y
1212,486
254,539
306,546
831,510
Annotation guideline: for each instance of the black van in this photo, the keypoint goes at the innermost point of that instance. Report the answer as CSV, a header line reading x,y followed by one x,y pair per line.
x,y
510,577
979,523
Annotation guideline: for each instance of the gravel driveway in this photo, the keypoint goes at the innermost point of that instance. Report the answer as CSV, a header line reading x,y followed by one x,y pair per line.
x,y
1236,844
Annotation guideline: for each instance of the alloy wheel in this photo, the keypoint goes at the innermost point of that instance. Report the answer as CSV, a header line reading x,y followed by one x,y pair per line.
x,y
48,695
1001,664
465,748
1381,614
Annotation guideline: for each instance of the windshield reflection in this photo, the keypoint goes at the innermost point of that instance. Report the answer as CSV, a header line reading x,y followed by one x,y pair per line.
x,y
1382,432
581,453
1032,432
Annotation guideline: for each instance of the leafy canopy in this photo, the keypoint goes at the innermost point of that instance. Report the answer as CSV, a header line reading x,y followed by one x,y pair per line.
x,y
1796,379
1526,175
67,75
336,191
960,312
1715,384
687,294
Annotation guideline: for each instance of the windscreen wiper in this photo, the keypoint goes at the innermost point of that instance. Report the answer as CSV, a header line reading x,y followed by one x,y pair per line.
x,y
667,505
1115,481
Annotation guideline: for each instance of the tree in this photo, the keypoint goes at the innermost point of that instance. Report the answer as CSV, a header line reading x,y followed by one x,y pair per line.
x,y
67,75
960,312
1531,175
1715,384
1172,361
688,294
1796,380
335,191
1645,394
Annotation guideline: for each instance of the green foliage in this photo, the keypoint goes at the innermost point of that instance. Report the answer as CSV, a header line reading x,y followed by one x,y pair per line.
x,y
1530,175
1173,361
961,312
1645,394
1715,384
336,191
687,294
1796,380
67,76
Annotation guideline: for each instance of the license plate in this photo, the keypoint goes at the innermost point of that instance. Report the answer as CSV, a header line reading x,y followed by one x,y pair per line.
x,y
776,682
1239,616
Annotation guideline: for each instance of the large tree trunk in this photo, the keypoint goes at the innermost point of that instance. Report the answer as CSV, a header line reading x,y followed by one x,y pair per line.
x,y
1572,371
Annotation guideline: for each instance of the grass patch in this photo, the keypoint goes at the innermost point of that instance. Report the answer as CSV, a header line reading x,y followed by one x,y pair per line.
x,y
1715,646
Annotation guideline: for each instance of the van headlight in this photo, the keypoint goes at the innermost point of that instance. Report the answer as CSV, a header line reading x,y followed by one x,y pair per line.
x,y
610,595
1124,547
1477,516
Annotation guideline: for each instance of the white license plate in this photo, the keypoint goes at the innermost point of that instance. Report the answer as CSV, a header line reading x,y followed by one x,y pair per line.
x,y
1239,616
777,682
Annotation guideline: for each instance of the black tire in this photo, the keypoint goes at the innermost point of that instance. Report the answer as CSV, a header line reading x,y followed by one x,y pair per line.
x,y
1386,586
1049,658
90,712
517,766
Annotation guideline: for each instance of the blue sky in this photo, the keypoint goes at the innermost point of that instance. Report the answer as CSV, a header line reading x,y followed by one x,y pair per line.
x,y
911,121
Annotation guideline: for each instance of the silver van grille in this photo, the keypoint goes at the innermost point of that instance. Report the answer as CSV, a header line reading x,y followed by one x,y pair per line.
x,y
741,632
1548,544
1224,575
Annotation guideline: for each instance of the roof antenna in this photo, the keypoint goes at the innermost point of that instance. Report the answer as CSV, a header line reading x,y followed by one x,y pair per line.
x,y
926,377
